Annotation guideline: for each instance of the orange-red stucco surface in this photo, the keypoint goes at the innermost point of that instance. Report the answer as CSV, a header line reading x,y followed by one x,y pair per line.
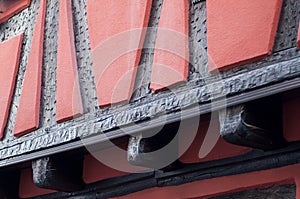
x,y
240,32
29,106
27,188
68,98
9,56
206,147
291,116
171,55
10,8
116,36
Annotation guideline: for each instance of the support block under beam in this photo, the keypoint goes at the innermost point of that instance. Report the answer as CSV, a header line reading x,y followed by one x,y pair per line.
x,y
256,124
156,149
62,174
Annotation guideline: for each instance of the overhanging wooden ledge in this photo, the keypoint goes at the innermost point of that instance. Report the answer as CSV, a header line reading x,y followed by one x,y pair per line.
x,y
101,139
245,86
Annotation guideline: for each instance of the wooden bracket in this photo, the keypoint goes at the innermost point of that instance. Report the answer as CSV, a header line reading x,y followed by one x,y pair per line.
x,y
62,174
256,124
155,151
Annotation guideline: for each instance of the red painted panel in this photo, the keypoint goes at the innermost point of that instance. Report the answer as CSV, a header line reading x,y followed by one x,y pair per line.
x,y
9,56
291,115
9,8
94,170
29,106
219,150
240,32
27,188
223,185
171,56
68,98
116,38
298,40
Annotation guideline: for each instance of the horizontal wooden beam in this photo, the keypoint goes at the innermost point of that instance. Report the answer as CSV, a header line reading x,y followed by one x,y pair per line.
x,y
255,160
157,122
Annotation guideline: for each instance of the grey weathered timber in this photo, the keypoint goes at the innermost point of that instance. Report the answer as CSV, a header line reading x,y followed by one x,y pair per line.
x,y
198,41
146,149
288,25
84,57
137,144
287,191
62,174
256,124
48,92
143,77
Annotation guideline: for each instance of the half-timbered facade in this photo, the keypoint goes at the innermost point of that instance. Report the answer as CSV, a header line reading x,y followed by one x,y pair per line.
x,y
149,99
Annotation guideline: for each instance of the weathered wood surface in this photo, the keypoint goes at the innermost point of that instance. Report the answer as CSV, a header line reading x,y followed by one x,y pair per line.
x,y
276,192
63,174
256,124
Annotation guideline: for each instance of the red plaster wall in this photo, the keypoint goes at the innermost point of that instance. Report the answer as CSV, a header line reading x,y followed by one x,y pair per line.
x,y
68,98
27,187
9,56
116,36
213,148
240,32
10,8
291,116
94,170
171,56
28,113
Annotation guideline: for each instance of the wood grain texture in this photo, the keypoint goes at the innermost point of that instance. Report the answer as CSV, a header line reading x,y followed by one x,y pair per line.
x,y
275,192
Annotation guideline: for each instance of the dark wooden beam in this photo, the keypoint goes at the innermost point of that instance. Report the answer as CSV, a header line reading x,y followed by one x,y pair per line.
x,y
286,191
256,124
255,160
58,173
